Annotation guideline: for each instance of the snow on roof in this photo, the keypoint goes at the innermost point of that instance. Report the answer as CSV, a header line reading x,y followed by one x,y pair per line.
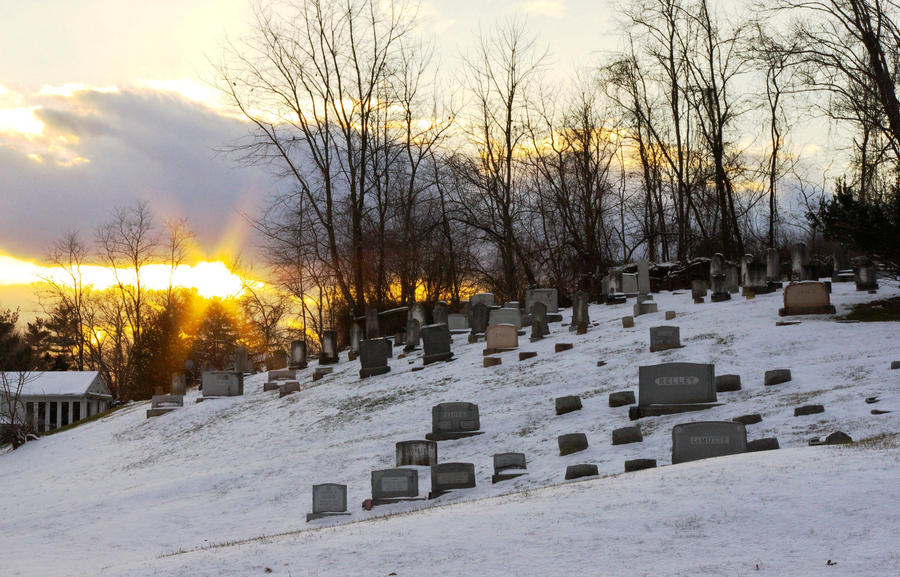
x,y
51,383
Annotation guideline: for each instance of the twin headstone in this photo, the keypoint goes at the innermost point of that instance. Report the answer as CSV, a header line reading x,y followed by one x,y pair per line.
x,y
677,383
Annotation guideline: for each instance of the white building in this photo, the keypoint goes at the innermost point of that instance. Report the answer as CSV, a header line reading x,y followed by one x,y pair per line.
x,y
53,399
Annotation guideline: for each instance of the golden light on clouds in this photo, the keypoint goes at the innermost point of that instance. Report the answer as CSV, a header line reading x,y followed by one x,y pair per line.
x,y
210,278
21,121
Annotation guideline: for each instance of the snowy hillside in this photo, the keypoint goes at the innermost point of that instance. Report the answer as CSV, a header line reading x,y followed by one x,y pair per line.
x,y
195,492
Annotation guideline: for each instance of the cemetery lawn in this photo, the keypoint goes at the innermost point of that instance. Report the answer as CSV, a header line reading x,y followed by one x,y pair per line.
x,y
221,488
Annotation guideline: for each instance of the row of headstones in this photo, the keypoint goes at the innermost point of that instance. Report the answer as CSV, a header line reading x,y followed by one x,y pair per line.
x,y
617,285
800,298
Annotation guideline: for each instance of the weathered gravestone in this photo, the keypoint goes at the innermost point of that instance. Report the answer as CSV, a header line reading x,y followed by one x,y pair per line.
x,y
329,500
372,358
571,443
732,278
179,384
539,325
621,398
671,388
491,362
298,355
499,338
664,338
716,265
627,322
698,290
799,258
645,307
746,261
728,383
703,440
329,354
719,289
270,386
773,268
764,444
639,465
400,338
436,341
776,377
390,485
450,476
508,466
478,320
582,470
288,387
548,296
242,360
629,284
643,277
627,435
454,421
441,310
413,330
162,404
580,318
222,384
487,299
416,453
842,270
282,375
320,372
866,278
568,404
373,328
756,278
420,314
457,323
806,298
506,317
356,335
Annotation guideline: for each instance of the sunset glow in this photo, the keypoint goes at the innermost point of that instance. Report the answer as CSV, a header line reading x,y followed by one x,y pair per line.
x,y
210,278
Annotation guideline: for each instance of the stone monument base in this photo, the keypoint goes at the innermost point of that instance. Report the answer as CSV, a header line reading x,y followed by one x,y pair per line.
x,y
639,412
451,436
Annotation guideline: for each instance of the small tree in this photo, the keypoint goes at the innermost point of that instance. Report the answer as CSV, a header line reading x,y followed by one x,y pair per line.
x,y
15,362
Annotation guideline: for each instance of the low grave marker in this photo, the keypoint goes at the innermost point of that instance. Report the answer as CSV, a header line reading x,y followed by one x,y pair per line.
x,y
329,500
639,465
500,338
627,322
698,290
288,387
568,404
451,476
416,453
808,410
664,338
392,485
572,443
582,470
162,404
508,466
621,398
806,298
626,435
748,419
707,439
728,383
777,376
764,444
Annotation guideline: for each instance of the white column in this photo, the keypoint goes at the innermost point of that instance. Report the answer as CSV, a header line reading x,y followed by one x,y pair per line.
x,y
70,411
46,416
58,414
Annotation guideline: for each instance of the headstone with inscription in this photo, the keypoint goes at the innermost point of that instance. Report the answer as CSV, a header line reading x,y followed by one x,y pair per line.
x,y
505,316
664,338
329,500
436,341
395,484
416,453
703,440
372,358
499,338
676,384
454,421
451,476
806,298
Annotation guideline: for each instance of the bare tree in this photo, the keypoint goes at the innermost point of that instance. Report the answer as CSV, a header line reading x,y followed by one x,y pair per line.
x,y
68,292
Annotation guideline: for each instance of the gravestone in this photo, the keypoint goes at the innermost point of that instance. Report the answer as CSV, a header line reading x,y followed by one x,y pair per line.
x,y
777,377
810,272
643,277
441,310
580,318
716,265
670,315
746,261
764,444
629,284
571,443
329,354
548,296
329,499
420,314
356,335
487,299
582,470
645,307
400,338
756,278
373,329
773,268
506,317
454,421
282,375
372,358
491,362
524,356
627,322
288,387
508,466
719,289
242,360
222,383
395,484
179,384
464,308
621,398
436,341
162,404
627,435
842,270
698,290
413,329
298,355
808,410
501,338
664,338
674,388
732,278
478,319
866,278
639,465
806,298
750,419
568,404
450,476
539,325
320,372
799,258
457,323
707,439
416,453
270,386
728,383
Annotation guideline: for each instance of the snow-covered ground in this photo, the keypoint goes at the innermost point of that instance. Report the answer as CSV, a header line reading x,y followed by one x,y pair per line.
x,y
222,487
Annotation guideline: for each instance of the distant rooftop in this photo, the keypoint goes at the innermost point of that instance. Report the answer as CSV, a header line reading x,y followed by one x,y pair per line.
x,y
54,383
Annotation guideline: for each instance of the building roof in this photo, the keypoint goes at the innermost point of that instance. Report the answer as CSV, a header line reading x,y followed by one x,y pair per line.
x,y
57,383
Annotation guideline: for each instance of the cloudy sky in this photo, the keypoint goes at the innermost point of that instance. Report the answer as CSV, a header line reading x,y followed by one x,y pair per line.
x,y
104,102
